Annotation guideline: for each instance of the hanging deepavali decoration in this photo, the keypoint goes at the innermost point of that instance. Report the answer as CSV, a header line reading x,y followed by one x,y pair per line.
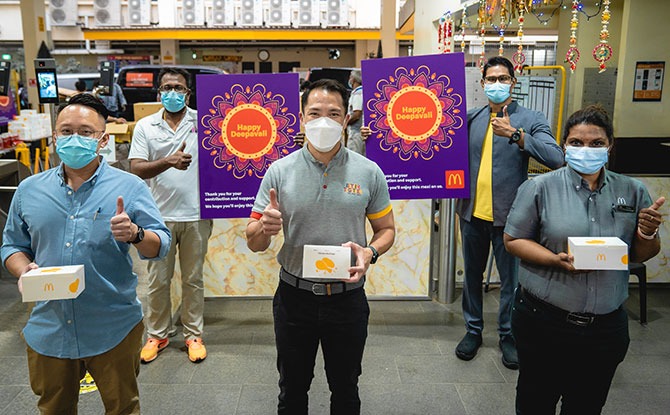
x,y
481,21
519,57
464,24
445,33
572,56
501,28
603,51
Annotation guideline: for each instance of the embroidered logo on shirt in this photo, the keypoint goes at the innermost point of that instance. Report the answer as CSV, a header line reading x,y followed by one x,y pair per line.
x,y
353,188
621,200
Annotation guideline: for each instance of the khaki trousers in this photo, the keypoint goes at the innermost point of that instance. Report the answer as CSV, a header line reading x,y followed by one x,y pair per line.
x,y
192,239
56,381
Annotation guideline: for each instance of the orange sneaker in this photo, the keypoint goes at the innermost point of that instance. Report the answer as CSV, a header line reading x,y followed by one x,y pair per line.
x,y
196,350
151,348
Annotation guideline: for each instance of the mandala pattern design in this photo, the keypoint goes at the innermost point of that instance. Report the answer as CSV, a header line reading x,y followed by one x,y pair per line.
x,y
266,103
421,144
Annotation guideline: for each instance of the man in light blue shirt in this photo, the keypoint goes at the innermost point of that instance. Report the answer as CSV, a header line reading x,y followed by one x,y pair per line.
x,y
84,212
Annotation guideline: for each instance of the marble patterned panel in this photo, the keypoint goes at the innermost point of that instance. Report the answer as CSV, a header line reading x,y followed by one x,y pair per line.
x,y
231,269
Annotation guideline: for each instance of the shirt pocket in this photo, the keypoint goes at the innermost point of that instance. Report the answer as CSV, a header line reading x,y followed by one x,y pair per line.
x,y
98,230
624,224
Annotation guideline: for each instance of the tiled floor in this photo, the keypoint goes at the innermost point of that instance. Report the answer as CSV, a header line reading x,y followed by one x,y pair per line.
x,y
409,366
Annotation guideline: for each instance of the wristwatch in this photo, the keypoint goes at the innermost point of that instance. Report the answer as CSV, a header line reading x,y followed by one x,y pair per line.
x,y
516,136
375,254
140,236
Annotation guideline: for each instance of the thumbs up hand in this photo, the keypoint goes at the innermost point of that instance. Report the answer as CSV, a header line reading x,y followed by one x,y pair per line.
x,y
271,220
650,219
123,229
501,125
180,160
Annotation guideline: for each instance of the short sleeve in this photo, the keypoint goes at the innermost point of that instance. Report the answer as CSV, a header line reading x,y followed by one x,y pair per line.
x,y
268,182
523,220
380,199
138,146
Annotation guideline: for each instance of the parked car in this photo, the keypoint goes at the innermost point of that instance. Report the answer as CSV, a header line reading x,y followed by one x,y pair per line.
x,y
140,84
67,80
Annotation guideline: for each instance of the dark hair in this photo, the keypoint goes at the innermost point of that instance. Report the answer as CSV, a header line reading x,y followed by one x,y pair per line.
x,y
304,84
591,115
329,85
87,100
80,85
499,61
174,71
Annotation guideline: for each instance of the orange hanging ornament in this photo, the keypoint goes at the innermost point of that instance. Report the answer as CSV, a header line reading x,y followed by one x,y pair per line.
x,y
603,51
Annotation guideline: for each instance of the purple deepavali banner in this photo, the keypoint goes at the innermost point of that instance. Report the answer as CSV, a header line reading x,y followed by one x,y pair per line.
x,y
7,108
415,107
245,122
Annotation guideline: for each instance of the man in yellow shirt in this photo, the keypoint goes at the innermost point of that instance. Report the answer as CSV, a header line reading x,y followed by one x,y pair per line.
x,y
502,137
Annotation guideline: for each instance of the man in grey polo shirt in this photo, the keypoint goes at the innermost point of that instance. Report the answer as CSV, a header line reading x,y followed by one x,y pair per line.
x,y
321,195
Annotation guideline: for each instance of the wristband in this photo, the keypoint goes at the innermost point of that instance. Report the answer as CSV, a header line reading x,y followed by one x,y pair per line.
x,y
647,237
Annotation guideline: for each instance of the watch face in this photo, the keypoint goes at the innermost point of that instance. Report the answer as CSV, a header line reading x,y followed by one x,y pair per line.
x,y
263,55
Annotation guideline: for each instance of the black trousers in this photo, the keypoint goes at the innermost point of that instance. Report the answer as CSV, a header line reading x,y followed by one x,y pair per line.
x,y
561,360
339,322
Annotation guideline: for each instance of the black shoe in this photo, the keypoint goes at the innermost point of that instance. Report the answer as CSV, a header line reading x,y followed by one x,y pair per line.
x,y
467,348
509,357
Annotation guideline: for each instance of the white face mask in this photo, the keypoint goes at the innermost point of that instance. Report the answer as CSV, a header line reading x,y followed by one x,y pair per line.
x,y
323,133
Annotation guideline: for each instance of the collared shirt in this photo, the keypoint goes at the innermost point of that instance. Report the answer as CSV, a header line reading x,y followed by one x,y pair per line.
x,y
323,205
114,101
554,206
175,191
56,226
509,161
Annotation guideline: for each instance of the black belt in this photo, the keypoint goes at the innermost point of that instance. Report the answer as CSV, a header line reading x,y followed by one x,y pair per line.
x,y
319,288
578,319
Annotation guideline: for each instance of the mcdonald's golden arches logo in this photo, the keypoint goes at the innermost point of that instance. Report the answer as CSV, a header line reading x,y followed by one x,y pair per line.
x,y
454,179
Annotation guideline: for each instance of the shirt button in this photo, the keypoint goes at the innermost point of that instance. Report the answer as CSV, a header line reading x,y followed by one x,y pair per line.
x,y
325,186
67,244
325,174
72,217
69,322
593,219
69,192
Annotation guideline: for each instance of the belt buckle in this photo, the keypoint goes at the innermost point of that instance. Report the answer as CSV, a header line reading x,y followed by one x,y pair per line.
x,y
579,320
319,288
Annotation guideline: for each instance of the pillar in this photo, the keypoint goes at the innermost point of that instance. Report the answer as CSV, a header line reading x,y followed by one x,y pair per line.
x,y
33,22
169,52
388,28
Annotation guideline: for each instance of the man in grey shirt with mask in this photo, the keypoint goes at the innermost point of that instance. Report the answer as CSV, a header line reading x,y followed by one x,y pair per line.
x,y
322,195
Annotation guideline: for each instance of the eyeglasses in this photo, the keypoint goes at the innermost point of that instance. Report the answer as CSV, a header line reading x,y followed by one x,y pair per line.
x,y
84,132
176,88
503,79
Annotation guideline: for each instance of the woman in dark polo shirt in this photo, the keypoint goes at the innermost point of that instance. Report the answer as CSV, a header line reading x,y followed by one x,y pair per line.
x,y
569,325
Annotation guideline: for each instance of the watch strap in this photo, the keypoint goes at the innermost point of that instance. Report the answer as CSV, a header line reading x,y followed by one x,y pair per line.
x,y
375,254
139,237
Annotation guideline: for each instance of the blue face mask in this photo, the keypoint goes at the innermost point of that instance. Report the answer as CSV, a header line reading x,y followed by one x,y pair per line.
x,y
173,101
586,160
497,93
76,151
